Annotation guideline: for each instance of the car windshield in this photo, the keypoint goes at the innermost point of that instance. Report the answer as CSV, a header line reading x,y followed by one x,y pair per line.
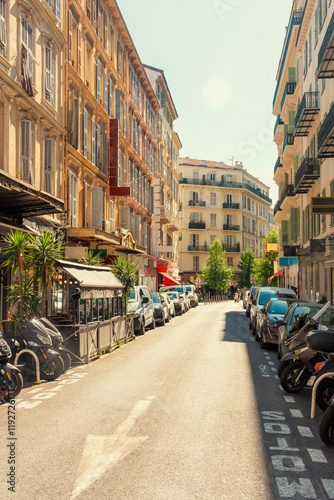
x,y
189,288
278,307
173,295
264,296
156,298
132,295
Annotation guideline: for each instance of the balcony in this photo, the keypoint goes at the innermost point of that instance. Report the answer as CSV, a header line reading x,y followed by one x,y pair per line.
x,y
197,225
198,248
165,216
174,224
295,20
234,206
227,227
308,109
307,173
290,88
193,203
277,207
279,122
288,141
326,137
258,193
231,248
288,190
278,164
326,53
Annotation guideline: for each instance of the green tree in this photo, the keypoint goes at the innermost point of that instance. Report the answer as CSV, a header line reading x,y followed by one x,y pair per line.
x,y
92,258
246,266
264,267
127,272
17,249
216,273
46,248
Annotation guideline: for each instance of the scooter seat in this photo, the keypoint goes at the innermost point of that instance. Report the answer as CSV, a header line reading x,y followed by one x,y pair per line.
x,y
322,341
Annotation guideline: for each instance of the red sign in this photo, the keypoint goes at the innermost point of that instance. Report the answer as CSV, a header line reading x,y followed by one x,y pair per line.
x,y
162,268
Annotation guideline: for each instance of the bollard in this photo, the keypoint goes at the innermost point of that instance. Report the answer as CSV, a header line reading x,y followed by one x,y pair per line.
x,y
38,380
314,390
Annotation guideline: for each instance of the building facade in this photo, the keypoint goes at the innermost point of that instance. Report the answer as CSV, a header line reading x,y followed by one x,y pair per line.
x,y
32,120
223,202
303,104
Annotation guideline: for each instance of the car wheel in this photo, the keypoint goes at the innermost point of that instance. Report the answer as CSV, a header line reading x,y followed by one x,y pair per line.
x,y
326,429
167,318
263,344
141,330
152,325
163,321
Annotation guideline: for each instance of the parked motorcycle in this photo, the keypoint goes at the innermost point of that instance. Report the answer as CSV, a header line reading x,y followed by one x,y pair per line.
x,y
34,336
301,362
57,342
324,341
11,381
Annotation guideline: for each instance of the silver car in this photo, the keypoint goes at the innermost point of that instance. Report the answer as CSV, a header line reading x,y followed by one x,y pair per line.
x,y
170,303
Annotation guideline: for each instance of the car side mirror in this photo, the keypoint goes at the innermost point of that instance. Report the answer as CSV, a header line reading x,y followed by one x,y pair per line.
x,y
145,300
279,323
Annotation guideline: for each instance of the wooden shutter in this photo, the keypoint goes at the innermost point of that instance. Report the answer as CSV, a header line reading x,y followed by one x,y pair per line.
x,y
48,165
110,97
98,147
74,200
93,132
79,50
85,204
118,106
97,207
112,215
70,39
105,154
125,217
105,91
124,119
85,132
294,224
98,81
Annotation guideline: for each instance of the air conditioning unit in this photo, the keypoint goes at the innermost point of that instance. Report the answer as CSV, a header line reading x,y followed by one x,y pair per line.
x,y
122,230
105,225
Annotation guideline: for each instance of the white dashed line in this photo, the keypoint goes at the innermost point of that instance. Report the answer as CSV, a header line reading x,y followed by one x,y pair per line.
x,y
273,369
276,376
317,455
329,487
296,413
289,399
270,362
305,431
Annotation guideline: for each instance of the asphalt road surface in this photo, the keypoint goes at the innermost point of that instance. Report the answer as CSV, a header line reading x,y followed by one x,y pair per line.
x,y
192,410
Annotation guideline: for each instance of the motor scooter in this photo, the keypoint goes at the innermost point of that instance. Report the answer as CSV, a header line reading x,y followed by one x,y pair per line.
x,y
11,381
57,342
34,336
324,341
301,362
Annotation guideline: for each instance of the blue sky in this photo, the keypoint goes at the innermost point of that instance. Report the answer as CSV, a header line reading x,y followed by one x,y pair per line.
x,y
220,59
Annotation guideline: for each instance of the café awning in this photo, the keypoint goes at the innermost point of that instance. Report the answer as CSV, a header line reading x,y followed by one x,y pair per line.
x,y
169,280
90,276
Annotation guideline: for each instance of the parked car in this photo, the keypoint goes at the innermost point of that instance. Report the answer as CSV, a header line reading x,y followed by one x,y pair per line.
x,y
140,304
161,312
177,301
181,289
293,313
245,299
261,296
267,318
192,295
170,303
249,300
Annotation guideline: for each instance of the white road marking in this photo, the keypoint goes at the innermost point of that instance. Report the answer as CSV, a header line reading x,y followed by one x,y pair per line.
x,y
270,362
27,405
304,431
282,445
276,377
38,389
289,463
317,455
281,387
273,369
289,399
329,487
102,452
296,413
289,490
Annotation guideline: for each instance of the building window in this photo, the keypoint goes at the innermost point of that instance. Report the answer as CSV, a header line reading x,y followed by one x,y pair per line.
x,y
229,261
49,74
212,238
26,152
213,220
55,6
72,199
48,170
112,215
3,24
27,55
196,263
229,241
213,198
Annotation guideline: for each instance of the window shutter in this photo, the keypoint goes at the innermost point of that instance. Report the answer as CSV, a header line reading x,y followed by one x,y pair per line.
x,y
118,106
98,81
69,27
139,141
98,147
105,91
70,197
79,50
105,154
85,151
112,215
124,170
48,165
110,97
48,64
125,217
294,224
124,119
85,205
74,201
93,132
58,10
97,207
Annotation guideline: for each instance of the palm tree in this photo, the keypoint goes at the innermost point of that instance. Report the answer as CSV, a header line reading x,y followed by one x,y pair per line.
x,y
17,248
45,250
126,271
92,258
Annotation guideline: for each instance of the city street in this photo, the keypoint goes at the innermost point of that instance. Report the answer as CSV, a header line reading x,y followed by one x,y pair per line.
x,y
192,410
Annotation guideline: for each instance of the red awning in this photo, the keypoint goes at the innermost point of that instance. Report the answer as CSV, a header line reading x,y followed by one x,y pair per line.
x,y
279,273
169,280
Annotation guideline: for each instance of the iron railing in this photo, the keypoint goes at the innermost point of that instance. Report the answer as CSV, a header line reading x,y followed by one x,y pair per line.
x,y
290,88
227,227
326,128
231,248
288,141
288,190
279,121
309,168
277,164
326,40
310,101
240,185
193,203
197,225
231,205
198,248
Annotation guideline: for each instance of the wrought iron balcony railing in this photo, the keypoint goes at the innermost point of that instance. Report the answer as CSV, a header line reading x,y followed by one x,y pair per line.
x,y
197,225
231,248
198,248
326,137
231,205
288,190
290,88
227,227
279,121
288,141
307,173
307,110
193,203
230,185
278,164
326,54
